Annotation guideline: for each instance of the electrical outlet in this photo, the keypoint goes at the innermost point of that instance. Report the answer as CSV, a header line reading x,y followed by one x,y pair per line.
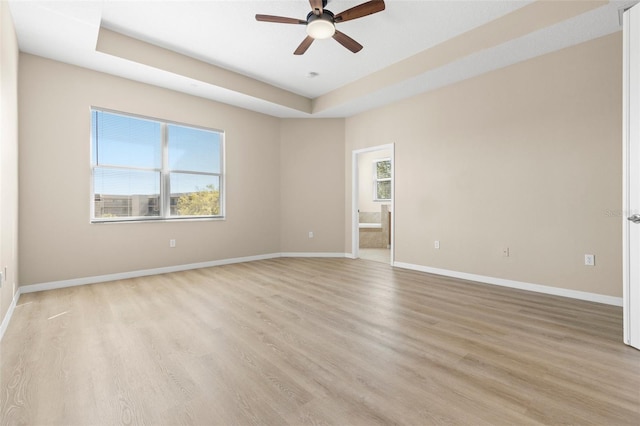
x,y
505,252
172,243
436,244
310,234
589,259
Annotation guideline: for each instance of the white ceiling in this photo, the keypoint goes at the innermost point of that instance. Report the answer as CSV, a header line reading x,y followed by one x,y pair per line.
x,y
226,34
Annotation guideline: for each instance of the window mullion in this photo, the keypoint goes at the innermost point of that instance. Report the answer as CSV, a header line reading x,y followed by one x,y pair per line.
x,y
109,166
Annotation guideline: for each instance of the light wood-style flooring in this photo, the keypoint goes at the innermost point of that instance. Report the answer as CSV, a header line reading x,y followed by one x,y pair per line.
x,y
313,341
376,254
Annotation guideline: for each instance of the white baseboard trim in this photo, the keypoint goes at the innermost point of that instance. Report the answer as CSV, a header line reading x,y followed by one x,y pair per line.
x,y
53,285
556,291
9,314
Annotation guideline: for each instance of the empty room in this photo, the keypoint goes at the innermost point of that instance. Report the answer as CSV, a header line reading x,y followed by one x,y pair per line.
x,y
320,212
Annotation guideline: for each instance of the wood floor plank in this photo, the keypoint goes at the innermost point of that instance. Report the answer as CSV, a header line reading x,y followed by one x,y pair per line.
x,y
314,342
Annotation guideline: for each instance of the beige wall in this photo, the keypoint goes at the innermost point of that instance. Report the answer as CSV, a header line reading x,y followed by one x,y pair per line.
x,y
57,242
312,185
365,180
8,157
285,172
526,157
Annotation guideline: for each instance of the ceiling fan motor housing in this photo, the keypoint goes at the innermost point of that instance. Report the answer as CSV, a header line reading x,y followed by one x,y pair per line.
x,y
321,26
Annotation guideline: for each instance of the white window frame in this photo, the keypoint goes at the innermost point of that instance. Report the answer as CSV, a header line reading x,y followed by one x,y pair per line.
x,y
377,180
165,174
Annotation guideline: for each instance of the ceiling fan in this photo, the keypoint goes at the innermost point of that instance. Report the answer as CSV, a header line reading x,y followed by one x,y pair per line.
x,y
321,22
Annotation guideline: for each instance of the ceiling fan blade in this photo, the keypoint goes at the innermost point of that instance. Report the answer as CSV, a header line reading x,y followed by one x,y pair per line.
x,y
364,9
304,46
347,42
279,19
316,6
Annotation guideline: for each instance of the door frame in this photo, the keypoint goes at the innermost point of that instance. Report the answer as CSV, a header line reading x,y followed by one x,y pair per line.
x,y
630,181
355,189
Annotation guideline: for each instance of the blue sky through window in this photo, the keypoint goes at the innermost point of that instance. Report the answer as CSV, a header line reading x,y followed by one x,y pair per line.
x,y
126,141
193,149
119,140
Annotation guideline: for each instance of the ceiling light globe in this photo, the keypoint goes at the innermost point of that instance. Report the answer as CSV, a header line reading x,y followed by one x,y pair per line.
x,y
320,28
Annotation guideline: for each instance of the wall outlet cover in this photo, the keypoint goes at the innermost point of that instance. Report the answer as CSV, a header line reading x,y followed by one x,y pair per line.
x,y
589,260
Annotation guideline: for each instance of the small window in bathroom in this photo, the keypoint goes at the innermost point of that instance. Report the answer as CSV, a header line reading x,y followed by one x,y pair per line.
x,y
382,180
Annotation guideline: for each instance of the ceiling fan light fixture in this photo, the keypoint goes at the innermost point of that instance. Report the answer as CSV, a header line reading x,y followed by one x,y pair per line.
x,y
320,27
321,23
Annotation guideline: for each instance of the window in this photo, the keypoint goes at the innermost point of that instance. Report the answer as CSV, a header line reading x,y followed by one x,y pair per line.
x,y
382,180
145,169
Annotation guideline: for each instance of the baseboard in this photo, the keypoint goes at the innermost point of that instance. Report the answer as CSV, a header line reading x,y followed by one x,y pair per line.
x,y
9,314
53,285
538,288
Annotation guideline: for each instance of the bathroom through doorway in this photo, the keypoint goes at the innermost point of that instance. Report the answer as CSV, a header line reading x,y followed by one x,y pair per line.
x,y
373,183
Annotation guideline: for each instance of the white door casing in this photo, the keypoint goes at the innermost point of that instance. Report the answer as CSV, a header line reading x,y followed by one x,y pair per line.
x,y
631,176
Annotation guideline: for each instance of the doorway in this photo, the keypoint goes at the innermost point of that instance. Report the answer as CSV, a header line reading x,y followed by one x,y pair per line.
x,y
373,212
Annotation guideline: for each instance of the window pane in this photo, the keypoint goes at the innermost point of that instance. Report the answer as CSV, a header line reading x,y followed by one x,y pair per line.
x,y
141,166
383,169
383,190
194,150
194,195
125,193
119,140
